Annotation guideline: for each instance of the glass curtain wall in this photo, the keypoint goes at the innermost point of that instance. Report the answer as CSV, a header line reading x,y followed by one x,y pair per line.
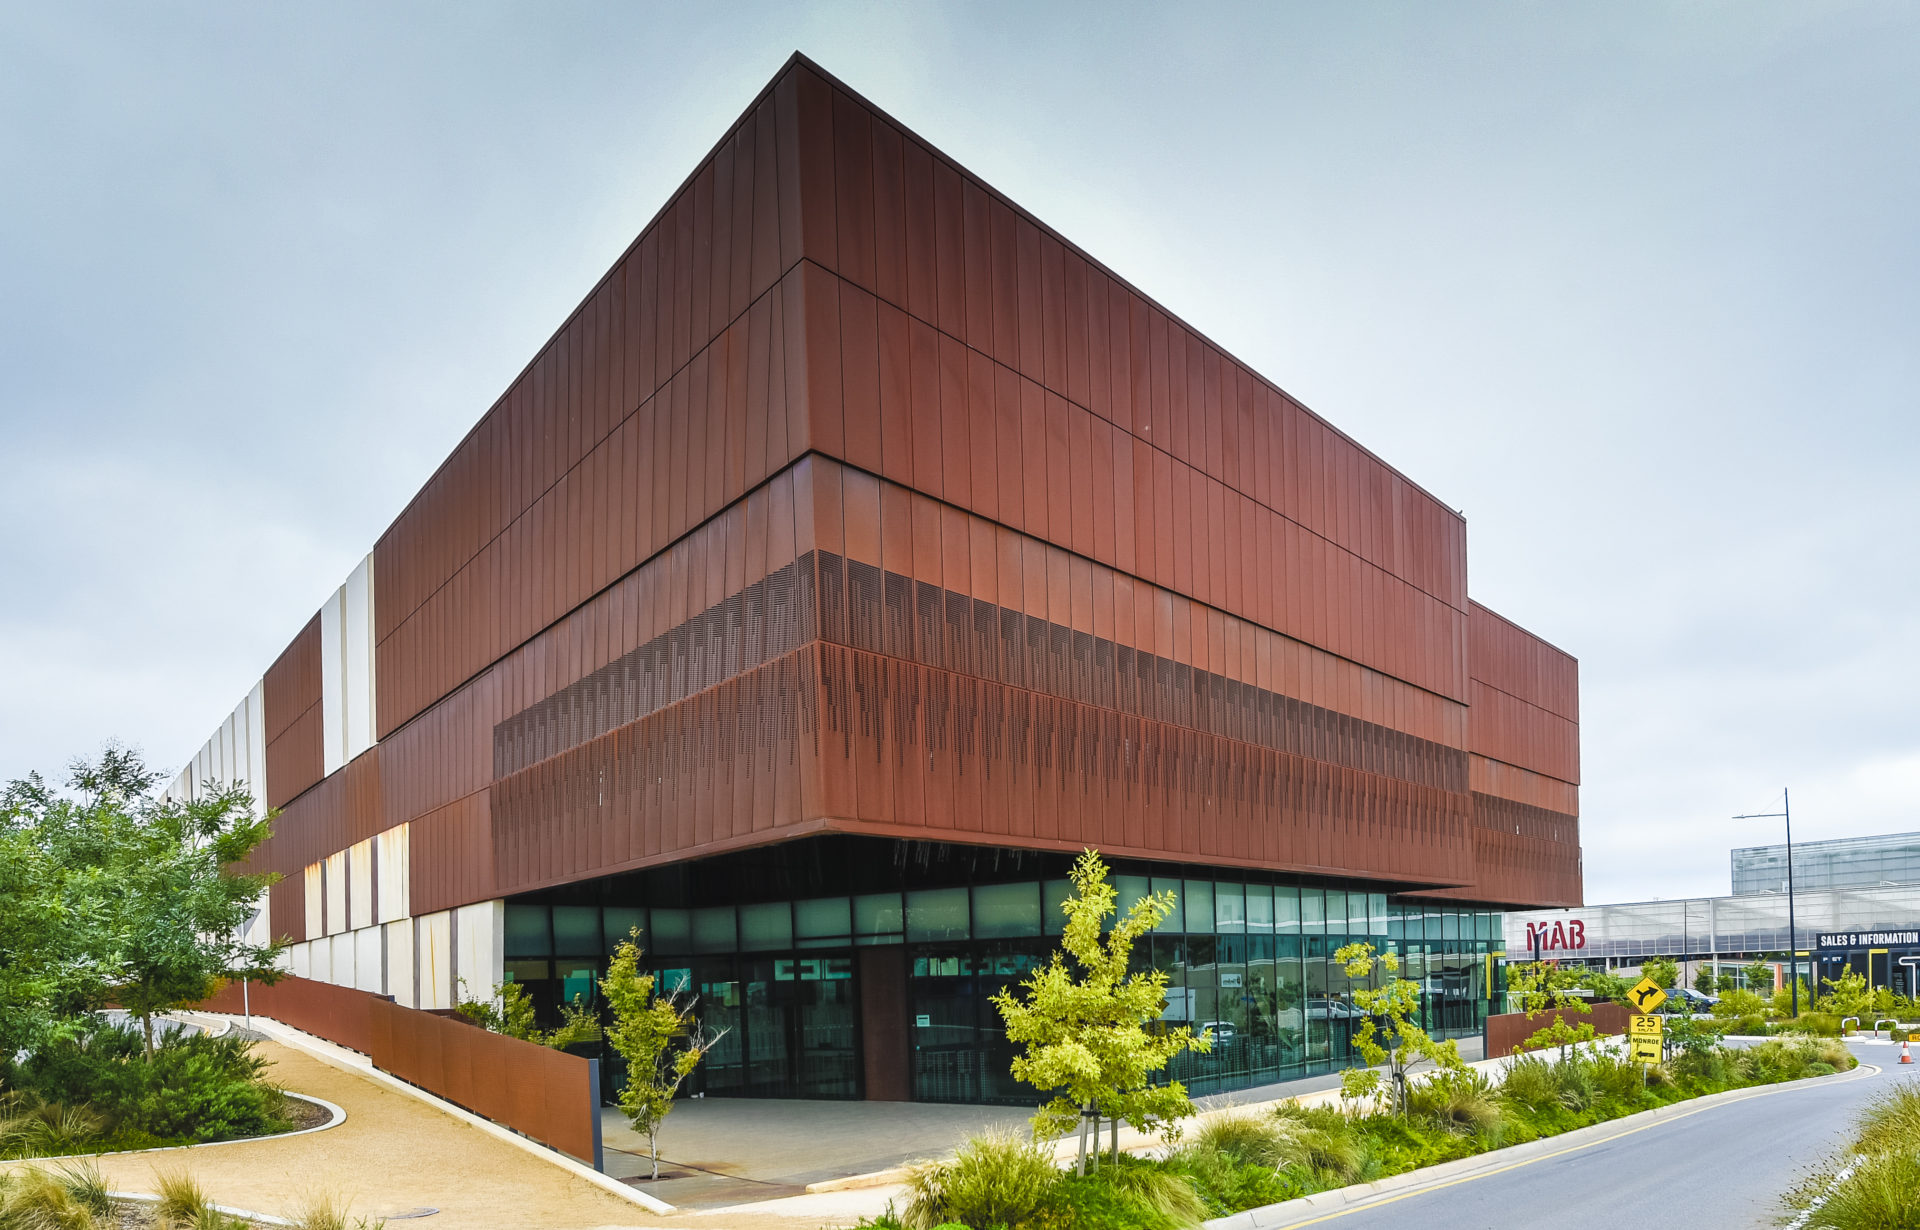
x,y
1249,958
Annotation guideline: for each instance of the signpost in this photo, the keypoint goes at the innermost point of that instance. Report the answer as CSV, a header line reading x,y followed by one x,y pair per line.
x,y
1646,1034
1647,995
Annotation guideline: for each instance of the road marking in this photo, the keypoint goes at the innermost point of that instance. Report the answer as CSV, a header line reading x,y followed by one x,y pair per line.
x,y
1865,1070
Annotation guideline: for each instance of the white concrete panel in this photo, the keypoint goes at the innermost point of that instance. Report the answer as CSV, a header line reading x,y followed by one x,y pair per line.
x,y
479,947
360,884
256,705
343,951
320,960
370,960
399,944
393,850
356,656
433,960
299,961
333,729
315,899
337,879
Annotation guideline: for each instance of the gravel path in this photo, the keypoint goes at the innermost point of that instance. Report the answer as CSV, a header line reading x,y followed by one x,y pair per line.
x,y
392,1156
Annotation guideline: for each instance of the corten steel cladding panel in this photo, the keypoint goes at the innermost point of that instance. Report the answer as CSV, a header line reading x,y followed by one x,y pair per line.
x,y
536,1090
662,398
1022,431
338,1014
1506,1031
296,757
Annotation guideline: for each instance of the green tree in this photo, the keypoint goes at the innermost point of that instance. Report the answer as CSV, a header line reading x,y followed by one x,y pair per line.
x,y
1706,981
1607,985
1396,1001
508,1011
659,1037
1542,987
1847,995
142,901
1664,971
1759,977
1084,1020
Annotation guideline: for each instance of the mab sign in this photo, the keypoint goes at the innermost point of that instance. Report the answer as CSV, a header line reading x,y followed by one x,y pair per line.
x,y
1566,935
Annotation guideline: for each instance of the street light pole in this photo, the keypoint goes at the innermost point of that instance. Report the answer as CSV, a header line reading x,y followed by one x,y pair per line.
x,y
1793,942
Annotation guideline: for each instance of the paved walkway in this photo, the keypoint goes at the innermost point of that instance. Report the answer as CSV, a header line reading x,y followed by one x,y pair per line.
x,y
394,1155
727,1153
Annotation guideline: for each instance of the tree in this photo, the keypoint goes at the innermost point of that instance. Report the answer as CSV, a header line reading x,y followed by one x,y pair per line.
x,y
1395,1001
1847,995
1759,977
1540,987
1664,971
1084,1019
1607,985
1705,980
508,1011
142,903
658,1036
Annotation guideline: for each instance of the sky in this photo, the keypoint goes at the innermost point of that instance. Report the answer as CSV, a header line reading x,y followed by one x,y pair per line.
x,y
1635,286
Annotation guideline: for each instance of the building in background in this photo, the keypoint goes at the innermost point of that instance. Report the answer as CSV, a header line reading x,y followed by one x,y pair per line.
x,y
1856,906
1844,862
858,552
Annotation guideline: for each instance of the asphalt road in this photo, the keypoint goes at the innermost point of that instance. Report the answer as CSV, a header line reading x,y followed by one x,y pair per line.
x,y
1722,1168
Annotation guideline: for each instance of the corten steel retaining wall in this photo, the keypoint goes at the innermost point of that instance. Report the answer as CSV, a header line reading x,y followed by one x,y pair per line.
x,y
548,1095
1505,1033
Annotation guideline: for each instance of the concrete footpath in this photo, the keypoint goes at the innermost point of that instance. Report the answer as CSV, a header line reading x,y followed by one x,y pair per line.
x,y
394,1157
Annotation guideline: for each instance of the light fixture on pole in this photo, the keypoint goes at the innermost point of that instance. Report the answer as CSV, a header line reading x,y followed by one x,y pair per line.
x,y
1793,941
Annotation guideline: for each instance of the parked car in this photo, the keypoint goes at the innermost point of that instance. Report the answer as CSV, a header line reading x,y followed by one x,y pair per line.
x,y
1688,1001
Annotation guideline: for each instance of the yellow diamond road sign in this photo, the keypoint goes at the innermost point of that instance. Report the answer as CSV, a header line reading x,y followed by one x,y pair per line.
x,y
1647,995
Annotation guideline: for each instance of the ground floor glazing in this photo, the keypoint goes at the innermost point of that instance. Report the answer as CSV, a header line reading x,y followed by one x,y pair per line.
x,y
855,967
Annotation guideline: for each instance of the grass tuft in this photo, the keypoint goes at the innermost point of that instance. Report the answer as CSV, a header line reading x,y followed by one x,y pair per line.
x,y
997,1178
35,1199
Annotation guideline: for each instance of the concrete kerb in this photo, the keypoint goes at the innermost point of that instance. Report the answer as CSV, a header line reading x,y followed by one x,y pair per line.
x,y
1308,1209
1132,1141
335,1117
264,1219
353,1061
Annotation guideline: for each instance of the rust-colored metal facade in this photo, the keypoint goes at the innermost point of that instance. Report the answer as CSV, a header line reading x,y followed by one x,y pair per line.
x,y
1507,1031
855,499
537,1091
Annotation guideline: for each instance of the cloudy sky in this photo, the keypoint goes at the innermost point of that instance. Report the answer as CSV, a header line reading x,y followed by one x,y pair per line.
x,y
1637,287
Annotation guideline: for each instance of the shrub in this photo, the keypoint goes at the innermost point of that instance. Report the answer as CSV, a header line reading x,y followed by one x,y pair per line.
x,y
1464,1103
182,1201
87,1186
1324,1140
1166,1192
33,1128
1740,1005
1093,1203
998,1178
1227,1185
321,1212
1879,1193
1892,1122
1529,1083
194,1088
1247,1139
35,1199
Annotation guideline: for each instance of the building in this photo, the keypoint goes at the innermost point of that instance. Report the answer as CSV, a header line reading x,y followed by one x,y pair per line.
x,y
1856,905
856,553
1844,862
